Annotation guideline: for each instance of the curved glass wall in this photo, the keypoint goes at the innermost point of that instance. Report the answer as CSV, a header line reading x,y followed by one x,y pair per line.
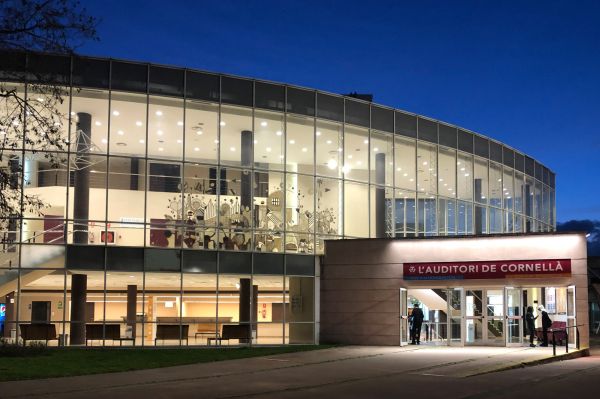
x,y
209,183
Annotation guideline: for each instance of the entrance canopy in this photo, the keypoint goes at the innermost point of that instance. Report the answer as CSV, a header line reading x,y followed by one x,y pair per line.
x,y
366,287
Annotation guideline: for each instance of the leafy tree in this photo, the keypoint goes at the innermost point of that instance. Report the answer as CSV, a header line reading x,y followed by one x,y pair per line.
x,y
35,121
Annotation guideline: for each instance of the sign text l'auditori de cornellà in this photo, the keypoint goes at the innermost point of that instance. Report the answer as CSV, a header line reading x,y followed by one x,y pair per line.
x,y
494,269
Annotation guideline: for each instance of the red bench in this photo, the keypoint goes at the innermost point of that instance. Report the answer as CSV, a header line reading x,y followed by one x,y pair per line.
x,y
560,333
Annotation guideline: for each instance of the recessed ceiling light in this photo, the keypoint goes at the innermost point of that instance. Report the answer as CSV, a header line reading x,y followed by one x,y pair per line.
x,y
462,169
158,113
138,123
424,162
328,141
411,179
222,123
263,124
160,132
281,156
268,149
279,133
196,149
98,123
339,149
120,132
466,175
332,164
72,113
359,163
104,141
350,156
199,132
304,149
375,149
255,141
318,133
406,174
179,141
216,141
116,113
366,141
180,123
141,141
232,149
160,149
398,169
292,141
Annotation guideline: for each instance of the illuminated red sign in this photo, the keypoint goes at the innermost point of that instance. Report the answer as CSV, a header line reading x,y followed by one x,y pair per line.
x,y
487,270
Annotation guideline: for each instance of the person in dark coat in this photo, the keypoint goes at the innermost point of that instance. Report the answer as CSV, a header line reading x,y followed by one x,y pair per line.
x,y
417,321
546,324
530,323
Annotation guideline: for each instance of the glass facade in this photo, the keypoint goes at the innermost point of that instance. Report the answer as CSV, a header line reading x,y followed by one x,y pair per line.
x,y
193,199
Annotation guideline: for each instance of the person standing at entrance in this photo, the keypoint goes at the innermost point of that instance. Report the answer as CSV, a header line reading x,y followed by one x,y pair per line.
x,y
546,323
417,321
530,322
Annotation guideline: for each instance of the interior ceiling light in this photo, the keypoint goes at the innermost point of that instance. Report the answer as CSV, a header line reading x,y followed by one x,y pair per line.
x,y
196,149
346,169
328,141
180,123
350,156
104,141
116,113
255,141
199,132
231,149
263,124
138,123
406,174
158,113
98,123
120,132
332,164
366,141
216,141
179,141
375,149
318,133
292,141
304,149
222,123
141,141
160,132
268,149
279,133
160,149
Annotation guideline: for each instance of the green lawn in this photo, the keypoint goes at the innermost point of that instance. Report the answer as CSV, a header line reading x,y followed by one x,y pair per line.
x,y
73,361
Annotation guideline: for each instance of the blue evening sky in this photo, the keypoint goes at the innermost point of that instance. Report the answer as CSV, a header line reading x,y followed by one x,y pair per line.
x,y
526,73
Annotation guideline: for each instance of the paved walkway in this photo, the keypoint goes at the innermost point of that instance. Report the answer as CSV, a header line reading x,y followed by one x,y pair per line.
x,y
353,372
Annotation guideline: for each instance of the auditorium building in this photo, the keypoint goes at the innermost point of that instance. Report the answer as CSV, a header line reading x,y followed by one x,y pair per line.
x,y
158,205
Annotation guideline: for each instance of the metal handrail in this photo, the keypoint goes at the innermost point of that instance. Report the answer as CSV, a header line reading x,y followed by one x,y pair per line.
x,y
565,329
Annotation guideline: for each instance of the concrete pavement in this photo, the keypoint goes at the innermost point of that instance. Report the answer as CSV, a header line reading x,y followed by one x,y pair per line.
x,y
354,372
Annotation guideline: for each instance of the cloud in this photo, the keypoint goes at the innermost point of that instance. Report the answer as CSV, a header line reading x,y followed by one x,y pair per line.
x,y
591,227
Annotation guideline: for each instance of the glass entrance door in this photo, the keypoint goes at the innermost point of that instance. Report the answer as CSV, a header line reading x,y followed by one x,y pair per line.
x,y
494,317
484,317
514,316
403,317
474,303
455,316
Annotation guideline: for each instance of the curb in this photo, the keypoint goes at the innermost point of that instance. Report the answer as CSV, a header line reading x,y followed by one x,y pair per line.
x,y
567,356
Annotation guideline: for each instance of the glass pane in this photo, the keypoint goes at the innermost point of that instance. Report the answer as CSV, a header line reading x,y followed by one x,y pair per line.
x,y
327,218
92,136
127,125
495,185
382,158
236,135
495,332
474,334
447,172
405,155
495,303
474,303
329,149
356,210
356,151
201,133
427,168
301,155
480,181
269,141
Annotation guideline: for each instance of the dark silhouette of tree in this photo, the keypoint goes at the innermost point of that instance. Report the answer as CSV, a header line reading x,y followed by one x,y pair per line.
x,y
34,121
